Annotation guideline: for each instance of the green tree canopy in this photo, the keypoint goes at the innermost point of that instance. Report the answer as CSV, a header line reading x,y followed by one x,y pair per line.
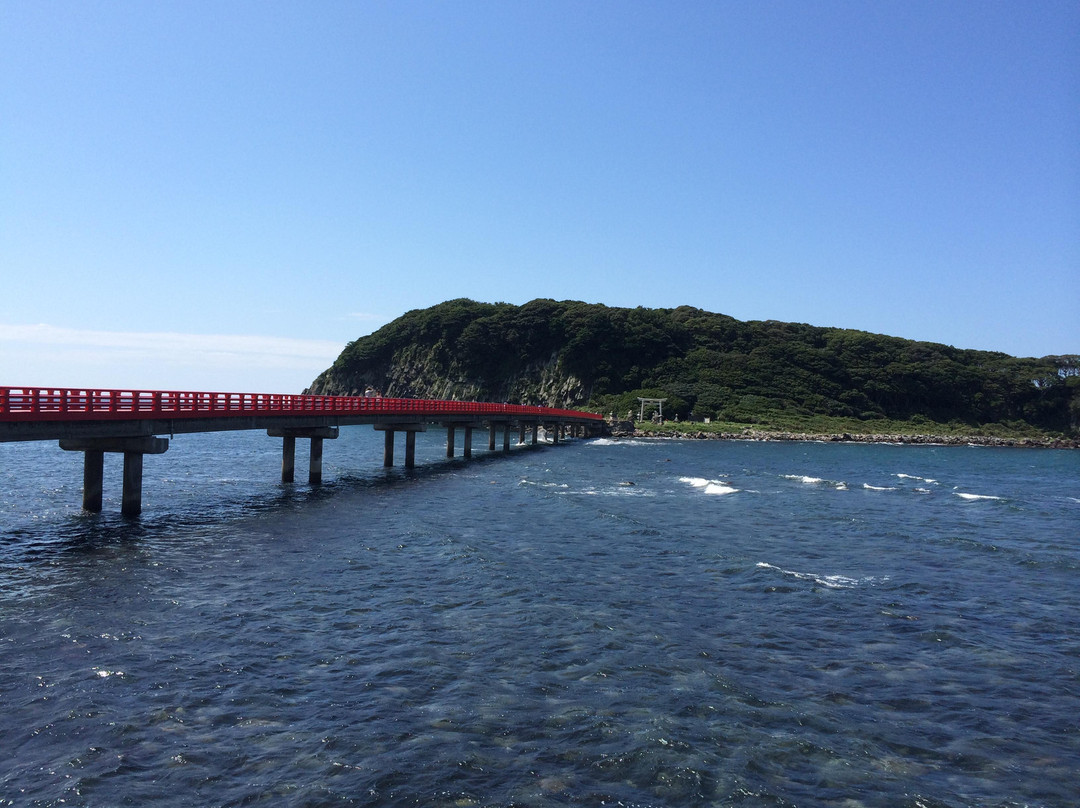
x,y
704,363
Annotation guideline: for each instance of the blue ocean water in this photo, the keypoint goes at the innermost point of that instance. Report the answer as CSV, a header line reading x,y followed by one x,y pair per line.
x,y
631,622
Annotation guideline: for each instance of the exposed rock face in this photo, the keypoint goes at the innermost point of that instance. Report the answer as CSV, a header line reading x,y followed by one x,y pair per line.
x,y
546,384
417,371
580,355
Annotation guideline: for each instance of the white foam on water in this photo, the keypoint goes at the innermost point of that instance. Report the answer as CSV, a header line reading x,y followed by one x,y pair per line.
x,y
869,487
917,477
619,490
830,581
621,442
709,486
544,485
624,490
697,482
808,480
972,497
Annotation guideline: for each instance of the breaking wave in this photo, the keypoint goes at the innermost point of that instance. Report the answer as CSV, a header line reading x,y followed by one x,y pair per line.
x,y
830,581
839,485
716,487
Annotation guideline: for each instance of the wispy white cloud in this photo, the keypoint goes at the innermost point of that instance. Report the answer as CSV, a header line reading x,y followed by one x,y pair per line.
x,y
272,351
70,356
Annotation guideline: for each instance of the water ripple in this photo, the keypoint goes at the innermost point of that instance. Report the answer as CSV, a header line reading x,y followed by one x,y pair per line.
x,y
535,631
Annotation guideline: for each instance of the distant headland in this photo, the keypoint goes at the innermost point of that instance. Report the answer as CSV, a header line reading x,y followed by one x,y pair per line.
x,y
750,380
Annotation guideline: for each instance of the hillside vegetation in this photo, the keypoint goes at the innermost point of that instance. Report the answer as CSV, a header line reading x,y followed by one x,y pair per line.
x,y
573,354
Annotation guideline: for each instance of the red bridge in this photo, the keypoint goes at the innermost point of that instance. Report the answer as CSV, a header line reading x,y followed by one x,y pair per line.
x,y
132,421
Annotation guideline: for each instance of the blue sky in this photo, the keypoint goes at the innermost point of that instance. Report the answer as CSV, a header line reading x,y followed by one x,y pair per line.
x,y
220,195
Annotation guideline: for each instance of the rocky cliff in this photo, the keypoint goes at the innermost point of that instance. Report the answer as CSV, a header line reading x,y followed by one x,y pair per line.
x,y
573,354
443,353
421,371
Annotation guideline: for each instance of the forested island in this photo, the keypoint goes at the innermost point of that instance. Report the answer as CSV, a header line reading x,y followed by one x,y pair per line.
x,y
718,375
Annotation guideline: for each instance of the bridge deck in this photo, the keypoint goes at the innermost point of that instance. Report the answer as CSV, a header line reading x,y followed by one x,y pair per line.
x,y
34,413
127,421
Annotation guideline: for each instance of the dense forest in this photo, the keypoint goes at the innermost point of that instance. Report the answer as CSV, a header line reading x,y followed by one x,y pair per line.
x,y
568,353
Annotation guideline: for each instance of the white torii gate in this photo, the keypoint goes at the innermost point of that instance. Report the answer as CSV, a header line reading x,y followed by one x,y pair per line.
x,y
659,402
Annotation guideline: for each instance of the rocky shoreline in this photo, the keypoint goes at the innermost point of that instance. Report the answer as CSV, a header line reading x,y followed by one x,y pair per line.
x,y
914,440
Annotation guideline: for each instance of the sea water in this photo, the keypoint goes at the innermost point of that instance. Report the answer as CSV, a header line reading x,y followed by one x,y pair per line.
x,y
606,622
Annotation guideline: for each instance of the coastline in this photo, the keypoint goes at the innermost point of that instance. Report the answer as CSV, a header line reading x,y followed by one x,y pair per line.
x,y
845,437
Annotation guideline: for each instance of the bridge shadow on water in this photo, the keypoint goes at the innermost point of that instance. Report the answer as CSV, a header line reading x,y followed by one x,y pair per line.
x,y
203,508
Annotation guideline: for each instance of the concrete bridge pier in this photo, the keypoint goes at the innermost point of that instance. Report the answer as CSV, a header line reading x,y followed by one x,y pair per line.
x,y
133,449
131,498
493,428
450,430
93,479
410,431
288,437
288,459
527,428
315,462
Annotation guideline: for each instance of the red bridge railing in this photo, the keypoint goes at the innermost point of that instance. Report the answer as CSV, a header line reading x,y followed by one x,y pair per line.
x,y
74,404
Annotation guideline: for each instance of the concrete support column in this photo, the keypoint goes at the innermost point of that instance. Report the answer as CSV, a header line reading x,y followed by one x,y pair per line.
x,y
133,449
288,459
315,462
535,433
521,433
468,441
450,441
288,437
93,478
506,437
388,448
131,504
491,436
555,433
410,430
